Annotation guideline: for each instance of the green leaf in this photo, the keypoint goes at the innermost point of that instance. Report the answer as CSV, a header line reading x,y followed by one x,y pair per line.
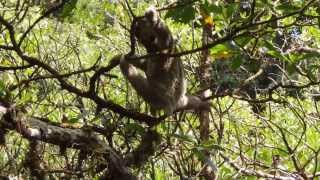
x,y
73,120
269,45
198,152
2,89
291,68
243,40
160,174
229,10
274,52
312,71
236,62
219,48
135,127
68,8
211,8
210,145
183,14
287,7
185,137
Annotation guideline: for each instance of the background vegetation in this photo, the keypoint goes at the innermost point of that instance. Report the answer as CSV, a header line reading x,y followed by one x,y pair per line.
x,y
66,112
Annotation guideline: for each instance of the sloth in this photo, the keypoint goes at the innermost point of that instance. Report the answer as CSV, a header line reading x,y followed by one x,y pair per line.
x,y
163,83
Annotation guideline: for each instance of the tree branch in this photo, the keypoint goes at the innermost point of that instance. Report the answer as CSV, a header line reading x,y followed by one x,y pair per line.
x,y
83,139
47,13
35,129
149,120
257,173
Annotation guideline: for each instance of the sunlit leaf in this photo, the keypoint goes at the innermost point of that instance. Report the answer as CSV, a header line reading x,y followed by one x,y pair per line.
x,y
222,55
219,48
221,52
208,21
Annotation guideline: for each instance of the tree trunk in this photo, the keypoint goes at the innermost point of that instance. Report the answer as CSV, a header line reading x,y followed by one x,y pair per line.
x,y
205,78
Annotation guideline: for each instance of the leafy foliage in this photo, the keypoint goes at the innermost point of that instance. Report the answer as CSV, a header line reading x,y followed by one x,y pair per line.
x,y
264,78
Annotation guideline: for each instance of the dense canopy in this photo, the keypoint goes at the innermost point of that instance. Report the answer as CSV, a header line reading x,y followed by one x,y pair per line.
x,y
67,112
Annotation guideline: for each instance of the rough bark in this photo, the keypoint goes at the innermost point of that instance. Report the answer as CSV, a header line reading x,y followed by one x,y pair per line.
x,y
205,78
37,130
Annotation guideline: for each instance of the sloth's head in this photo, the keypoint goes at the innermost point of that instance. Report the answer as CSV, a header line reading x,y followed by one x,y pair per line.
x,y
151,33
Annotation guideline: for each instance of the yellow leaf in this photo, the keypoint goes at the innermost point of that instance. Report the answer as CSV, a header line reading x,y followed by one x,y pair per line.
x,y
208,21
223,55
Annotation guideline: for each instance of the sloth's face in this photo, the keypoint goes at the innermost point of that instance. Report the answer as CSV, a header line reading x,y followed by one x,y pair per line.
x,y
146,34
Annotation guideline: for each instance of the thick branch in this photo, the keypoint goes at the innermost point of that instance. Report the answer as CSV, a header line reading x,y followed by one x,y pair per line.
x,y
308,50
34,129
14,68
